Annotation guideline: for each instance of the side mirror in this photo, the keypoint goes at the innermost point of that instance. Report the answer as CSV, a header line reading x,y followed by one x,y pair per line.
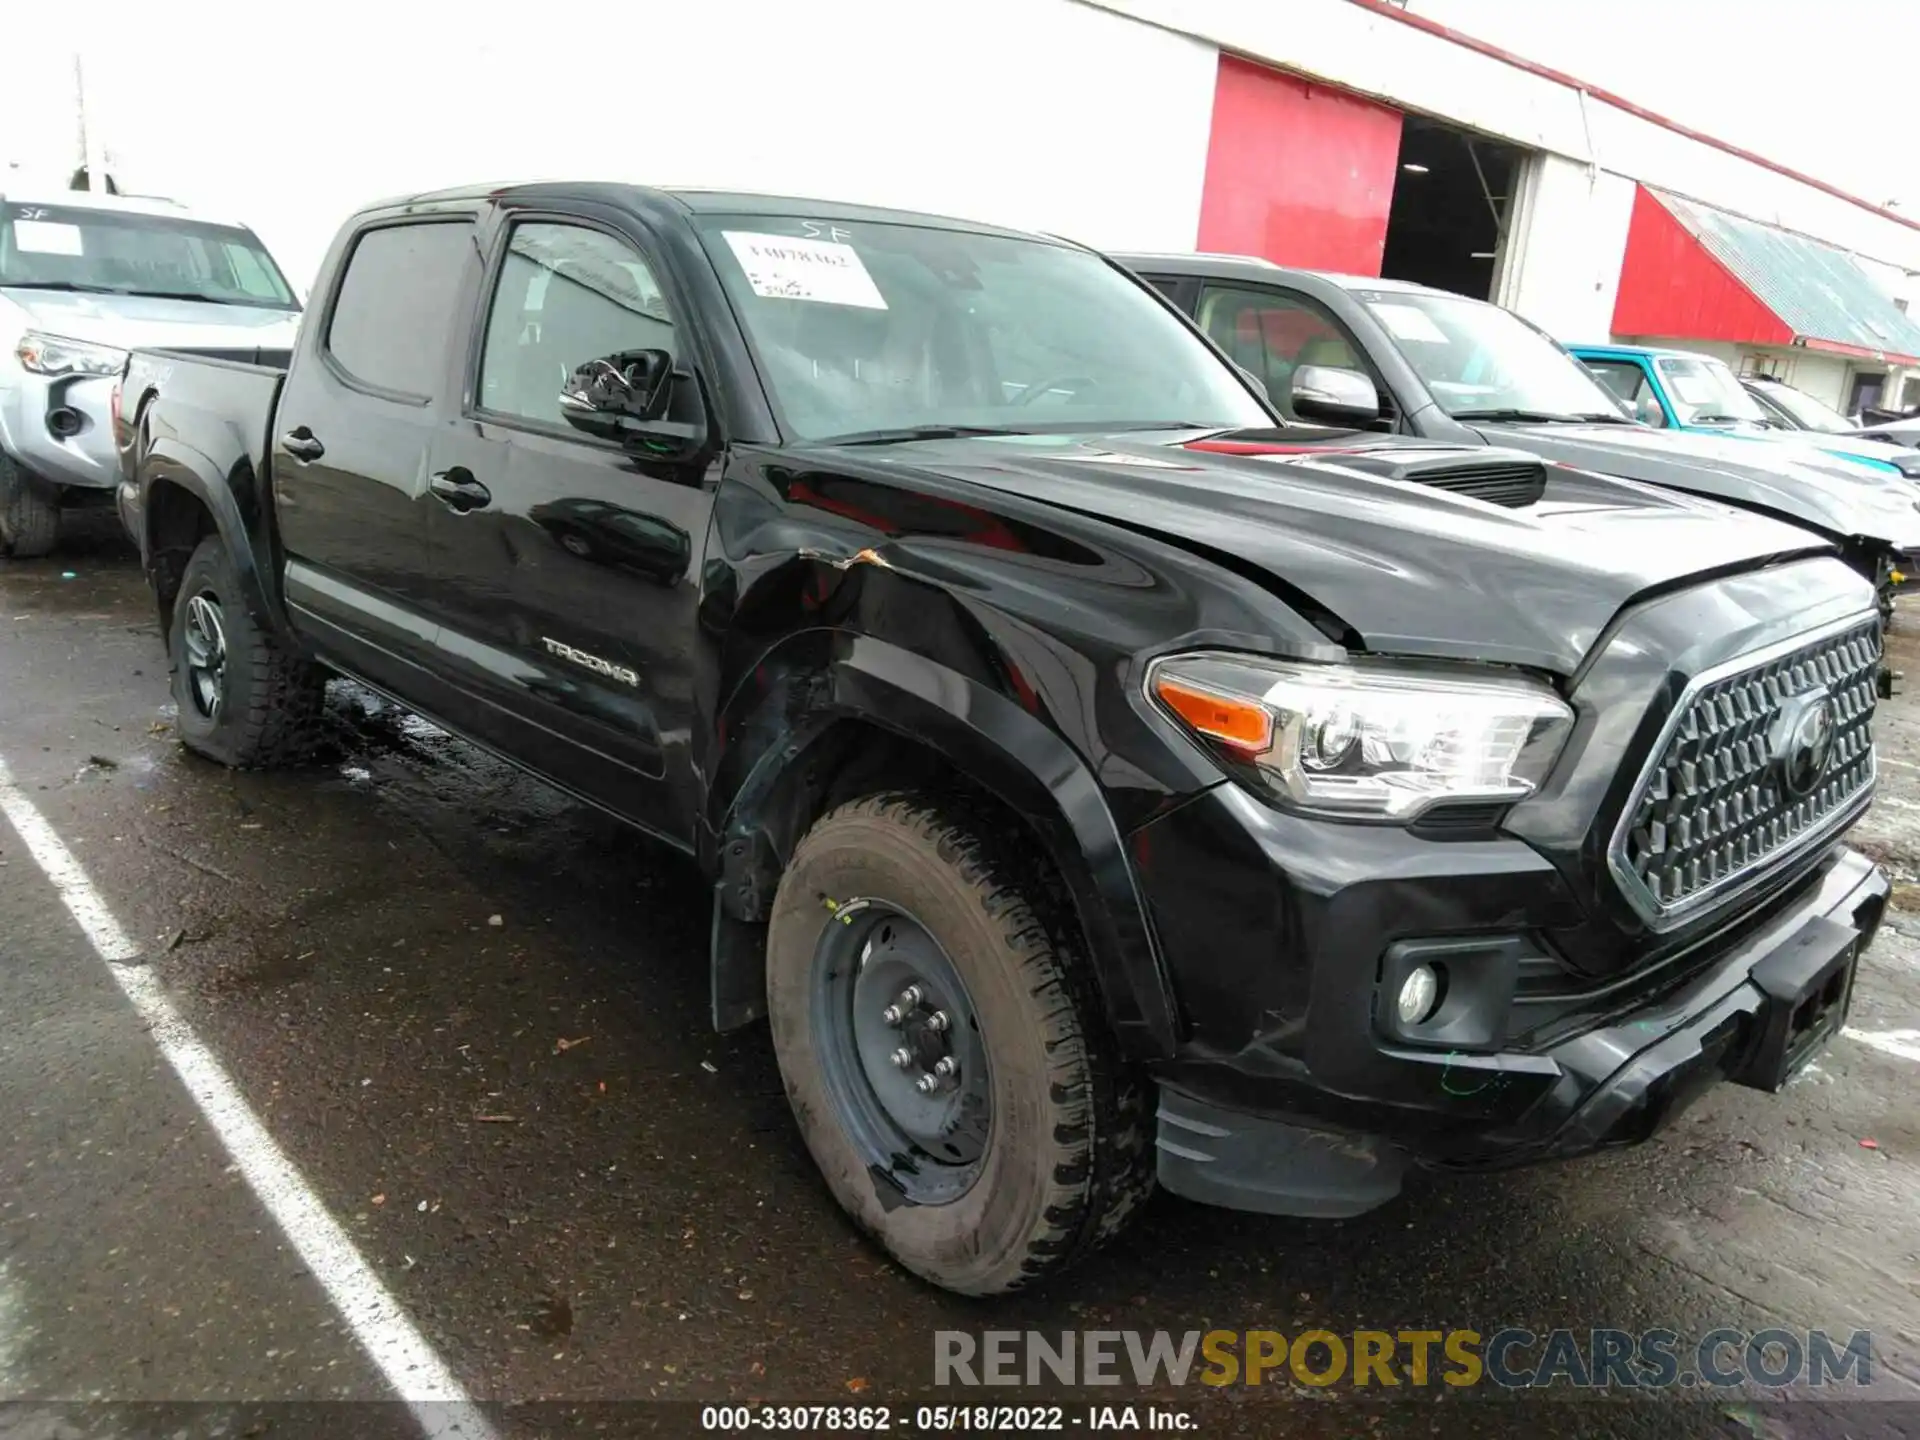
x,y
1327,392
626,397
1648,412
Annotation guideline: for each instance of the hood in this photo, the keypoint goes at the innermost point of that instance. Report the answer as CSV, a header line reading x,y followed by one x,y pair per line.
x,y
1412,568
1797,483
128,322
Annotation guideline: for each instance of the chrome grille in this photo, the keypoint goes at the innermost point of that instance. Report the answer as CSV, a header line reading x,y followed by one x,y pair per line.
x,y
1716,805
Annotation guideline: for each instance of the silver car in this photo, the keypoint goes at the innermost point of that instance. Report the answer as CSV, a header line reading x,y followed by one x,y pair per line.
x,y
83,279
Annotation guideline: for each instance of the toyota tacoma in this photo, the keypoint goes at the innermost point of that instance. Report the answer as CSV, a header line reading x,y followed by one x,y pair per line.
x,y
1100,779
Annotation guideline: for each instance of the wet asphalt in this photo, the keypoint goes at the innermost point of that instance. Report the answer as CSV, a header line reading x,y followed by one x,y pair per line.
x,y
474,1014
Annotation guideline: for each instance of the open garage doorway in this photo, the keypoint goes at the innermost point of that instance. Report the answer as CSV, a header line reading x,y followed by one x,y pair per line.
x,y
1453,199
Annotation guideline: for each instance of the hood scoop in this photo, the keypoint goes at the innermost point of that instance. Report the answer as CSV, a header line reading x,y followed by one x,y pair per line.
x,y
1499,477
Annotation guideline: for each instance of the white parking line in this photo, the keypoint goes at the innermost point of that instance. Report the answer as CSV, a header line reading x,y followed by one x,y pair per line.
x,y
1904,1043
401,1353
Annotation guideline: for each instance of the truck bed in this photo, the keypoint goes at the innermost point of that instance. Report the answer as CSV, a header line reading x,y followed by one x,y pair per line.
x,y
216,415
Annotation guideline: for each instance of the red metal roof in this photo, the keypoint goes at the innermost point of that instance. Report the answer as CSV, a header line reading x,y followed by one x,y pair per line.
x,y
1694,273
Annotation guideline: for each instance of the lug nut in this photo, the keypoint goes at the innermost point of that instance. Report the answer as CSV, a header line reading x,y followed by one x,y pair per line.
x,y
945,1066
926,1084
893,1015
902,1057
937,1021
910,997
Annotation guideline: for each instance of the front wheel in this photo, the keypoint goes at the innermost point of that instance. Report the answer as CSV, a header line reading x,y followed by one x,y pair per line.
x,y
244,698
29,514
944,1050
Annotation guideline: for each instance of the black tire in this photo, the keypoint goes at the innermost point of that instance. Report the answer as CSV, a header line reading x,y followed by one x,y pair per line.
x,y
1067,1156
267,710
29,515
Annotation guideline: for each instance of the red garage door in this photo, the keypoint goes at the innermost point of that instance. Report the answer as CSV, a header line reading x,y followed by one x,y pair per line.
x,y
1297,173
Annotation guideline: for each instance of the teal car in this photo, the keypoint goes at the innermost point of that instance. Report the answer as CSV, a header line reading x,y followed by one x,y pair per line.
x,y
1680,390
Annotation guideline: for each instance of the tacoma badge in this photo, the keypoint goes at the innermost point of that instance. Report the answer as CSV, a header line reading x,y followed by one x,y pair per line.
x,y
592,662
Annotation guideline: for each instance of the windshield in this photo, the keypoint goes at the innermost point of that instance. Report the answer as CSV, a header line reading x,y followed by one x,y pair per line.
x,y
1704,392
58,247
868,330
1807,411
1482,362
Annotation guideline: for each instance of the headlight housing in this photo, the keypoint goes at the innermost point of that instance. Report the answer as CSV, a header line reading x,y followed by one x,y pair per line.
x,y
1366,740
51,355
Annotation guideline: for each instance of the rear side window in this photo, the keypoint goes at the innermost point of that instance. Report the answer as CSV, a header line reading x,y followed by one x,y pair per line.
x,y
396,305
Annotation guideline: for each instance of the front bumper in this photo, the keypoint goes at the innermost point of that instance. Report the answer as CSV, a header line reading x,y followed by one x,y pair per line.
x,y
1753,1011
32,410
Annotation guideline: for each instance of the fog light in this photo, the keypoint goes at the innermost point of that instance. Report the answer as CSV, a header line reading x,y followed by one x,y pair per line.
x,y
1418,992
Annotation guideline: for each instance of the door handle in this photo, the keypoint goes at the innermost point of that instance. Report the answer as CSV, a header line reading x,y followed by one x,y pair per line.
x,y
300,444
459,490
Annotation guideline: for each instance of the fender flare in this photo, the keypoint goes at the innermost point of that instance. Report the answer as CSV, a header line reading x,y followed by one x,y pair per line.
x,y
163,462
994,742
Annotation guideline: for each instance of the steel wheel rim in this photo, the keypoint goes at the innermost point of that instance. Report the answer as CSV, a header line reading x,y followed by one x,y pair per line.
x,y
204,637
884,988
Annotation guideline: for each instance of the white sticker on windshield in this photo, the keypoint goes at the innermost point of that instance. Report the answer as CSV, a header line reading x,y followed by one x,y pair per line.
x,y
47,237
783,267
1408,322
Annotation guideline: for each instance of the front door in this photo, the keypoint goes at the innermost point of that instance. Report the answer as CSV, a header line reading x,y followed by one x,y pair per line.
x,y
569,567
353,432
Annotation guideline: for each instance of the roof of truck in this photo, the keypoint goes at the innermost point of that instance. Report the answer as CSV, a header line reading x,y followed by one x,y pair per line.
x,y
709,202
1252,267
1634,352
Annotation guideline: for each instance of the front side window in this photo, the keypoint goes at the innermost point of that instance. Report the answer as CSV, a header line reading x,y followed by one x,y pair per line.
x,y
1805,411
1484,363
59,247
1629,383
862,327
566,295
1273,334
1703,391
394,311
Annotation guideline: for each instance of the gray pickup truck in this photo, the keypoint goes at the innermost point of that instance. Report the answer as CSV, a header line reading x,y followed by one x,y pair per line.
x,y
1382,355
83,280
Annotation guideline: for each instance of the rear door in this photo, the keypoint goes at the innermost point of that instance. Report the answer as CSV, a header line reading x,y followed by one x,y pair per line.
x,y
569,566
358,417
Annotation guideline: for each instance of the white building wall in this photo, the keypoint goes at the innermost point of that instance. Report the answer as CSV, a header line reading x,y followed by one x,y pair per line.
x,y
1044,114
1571,231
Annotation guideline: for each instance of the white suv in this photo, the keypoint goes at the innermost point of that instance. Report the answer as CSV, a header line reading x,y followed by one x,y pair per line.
x,y
83,279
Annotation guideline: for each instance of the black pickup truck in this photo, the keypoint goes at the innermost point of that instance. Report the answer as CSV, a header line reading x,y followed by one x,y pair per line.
x,y
1099,779
1387,355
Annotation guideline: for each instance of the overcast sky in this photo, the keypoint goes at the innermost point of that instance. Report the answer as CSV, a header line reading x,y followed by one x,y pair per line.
x,y
1824,86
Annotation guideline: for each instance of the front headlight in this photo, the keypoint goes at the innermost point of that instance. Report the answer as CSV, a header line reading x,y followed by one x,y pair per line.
x,y
50,355
1366,741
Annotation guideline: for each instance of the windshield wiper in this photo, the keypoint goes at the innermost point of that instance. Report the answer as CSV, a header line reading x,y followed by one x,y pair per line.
x,y
191,295
1524,417
72,285
906,433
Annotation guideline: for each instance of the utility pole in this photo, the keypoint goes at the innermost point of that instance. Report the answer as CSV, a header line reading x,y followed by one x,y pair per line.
x,y
92,152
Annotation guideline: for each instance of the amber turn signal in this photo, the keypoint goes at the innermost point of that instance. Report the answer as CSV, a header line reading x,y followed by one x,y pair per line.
x,y
1244,724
